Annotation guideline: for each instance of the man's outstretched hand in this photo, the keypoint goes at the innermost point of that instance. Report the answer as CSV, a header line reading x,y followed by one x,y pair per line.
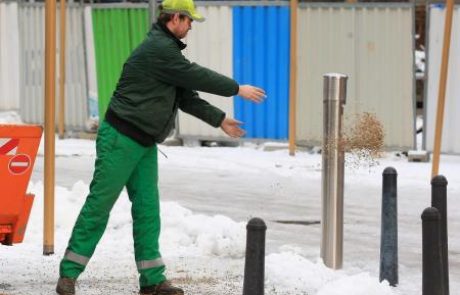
x,y
232,127
252,93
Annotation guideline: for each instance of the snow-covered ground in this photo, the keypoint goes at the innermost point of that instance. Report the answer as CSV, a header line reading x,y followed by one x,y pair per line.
x,y
208,195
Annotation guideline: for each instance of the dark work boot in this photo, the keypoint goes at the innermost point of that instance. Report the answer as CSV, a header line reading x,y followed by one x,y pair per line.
x,y
164,288
65,286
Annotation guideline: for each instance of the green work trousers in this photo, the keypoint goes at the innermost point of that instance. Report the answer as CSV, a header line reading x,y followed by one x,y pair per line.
x,y
120,162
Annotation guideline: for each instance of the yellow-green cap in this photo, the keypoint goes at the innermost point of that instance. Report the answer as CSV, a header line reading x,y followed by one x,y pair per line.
x,y
185,7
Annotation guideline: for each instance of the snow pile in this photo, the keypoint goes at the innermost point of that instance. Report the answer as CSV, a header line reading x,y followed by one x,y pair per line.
x,y
184,234
70,147
10,117
293,274
360,284
190,234
420,61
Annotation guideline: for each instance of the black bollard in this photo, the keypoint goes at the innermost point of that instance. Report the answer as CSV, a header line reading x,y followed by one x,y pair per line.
x,y
439,201
389,228
254,265
433,272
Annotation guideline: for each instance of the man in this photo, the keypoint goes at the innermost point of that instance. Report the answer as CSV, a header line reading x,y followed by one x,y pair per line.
x,y
155,82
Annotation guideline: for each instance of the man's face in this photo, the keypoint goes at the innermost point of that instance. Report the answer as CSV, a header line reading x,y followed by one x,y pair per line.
x,y
181,26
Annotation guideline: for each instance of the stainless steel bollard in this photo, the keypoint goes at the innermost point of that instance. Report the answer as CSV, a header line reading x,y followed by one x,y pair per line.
x,y
335,86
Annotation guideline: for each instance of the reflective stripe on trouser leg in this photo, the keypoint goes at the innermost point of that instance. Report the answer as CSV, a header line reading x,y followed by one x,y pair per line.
x,y
117,157
146,264
143,192
77,258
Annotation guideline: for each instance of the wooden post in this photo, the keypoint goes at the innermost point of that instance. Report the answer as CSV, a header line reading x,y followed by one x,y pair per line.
x,y
442,87
293,79
50,96
62,51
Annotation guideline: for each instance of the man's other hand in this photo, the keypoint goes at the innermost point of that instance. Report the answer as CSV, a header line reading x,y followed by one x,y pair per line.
x,y
232,127
252,93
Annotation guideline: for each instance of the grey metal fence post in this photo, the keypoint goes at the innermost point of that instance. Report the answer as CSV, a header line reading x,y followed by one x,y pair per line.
x,y
432,267
439,201
254,264
332,171
152,11
389,228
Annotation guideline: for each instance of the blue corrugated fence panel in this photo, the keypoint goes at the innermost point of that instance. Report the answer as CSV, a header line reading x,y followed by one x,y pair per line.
x,y
261,57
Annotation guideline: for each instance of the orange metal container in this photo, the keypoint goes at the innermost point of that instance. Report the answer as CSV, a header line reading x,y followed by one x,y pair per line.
x,y
18,149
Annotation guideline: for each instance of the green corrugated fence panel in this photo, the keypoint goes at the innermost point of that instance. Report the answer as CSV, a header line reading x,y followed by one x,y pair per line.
x,y
117,32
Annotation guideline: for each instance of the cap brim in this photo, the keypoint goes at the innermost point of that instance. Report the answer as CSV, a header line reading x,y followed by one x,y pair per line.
x,y
198,17
195,16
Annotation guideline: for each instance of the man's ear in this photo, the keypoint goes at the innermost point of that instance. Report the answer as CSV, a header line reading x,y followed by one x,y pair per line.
x,y
176,17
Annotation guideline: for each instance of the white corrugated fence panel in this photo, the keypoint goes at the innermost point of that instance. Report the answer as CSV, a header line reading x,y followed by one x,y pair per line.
x,y
76,90
210,44
32,38
91,63
326,45
373,45
32,56
450,139
9,58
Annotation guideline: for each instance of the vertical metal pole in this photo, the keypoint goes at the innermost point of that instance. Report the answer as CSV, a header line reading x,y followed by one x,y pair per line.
x,y
439,201
442,87
389,229
335,86
293,78
62,51
153,11
254,264
433,271
50,96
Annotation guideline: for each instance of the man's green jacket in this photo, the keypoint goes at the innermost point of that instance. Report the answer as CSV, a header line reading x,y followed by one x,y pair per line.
x,y
157,80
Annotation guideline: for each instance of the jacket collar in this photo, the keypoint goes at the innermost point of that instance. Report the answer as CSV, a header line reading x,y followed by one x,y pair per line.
x,y
163,28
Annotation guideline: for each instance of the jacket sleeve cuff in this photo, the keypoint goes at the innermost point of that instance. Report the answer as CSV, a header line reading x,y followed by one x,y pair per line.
x,y
220,120
237,89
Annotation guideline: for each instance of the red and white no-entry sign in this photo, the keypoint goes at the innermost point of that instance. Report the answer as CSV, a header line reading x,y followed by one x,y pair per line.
x,y
19,164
